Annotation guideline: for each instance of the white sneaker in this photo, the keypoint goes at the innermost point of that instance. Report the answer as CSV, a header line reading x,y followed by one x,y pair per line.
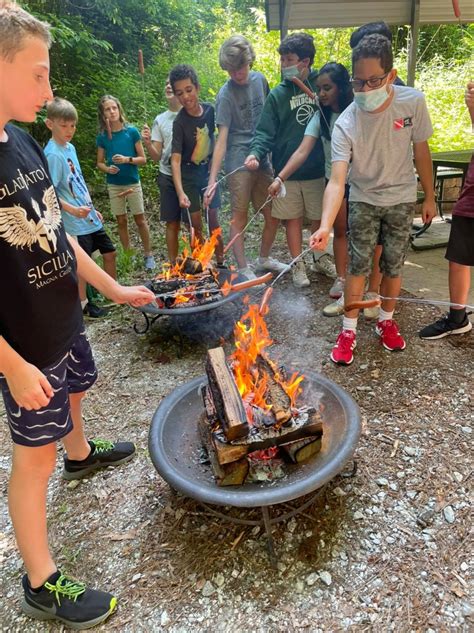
x,y
371,313
337,288
150,263
300,278
334,309
325,266
268,264
247,273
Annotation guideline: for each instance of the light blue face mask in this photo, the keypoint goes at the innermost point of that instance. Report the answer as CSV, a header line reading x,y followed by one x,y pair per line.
x,y
290,72
371,100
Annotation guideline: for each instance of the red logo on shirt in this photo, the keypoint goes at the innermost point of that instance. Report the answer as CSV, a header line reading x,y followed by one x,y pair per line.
x,y
399,124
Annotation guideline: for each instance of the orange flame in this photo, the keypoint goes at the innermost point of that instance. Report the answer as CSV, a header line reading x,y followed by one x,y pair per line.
x,y
205,252
251,340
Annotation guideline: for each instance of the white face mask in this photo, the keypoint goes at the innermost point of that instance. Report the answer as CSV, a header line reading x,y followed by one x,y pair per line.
x,y
373,99
290,71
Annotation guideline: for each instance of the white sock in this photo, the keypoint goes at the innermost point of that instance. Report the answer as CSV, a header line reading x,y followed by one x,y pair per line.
x,y
385,316
349,324
84,303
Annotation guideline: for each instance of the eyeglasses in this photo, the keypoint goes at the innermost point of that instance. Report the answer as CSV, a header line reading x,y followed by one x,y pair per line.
x,y
373,82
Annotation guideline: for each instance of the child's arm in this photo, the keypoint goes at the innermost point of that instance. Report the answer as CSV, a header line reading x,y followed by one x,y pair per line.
x,y
77,212
93,274
294,162
184,201
154,148
101,164
217,158
28,385
332,200
265,134
139,159
424,168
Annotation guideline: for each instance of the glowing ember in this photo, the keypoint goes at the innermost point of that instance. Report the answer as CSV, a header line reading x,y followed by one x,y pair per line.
x,y
251,340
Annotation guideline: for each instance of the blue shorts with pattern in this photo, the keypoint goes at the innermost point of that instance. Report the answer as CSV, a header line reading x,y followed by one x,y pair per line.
x,y
75,372
370,225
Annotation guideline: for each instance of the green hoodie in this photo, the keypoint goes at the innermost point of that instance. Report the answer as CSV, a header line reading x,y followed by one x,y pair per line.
x,y
281,127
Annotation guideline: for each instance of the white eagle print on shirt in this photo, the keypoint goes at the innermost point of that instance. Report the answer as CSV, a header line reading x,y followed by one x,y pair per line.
x,y
17,230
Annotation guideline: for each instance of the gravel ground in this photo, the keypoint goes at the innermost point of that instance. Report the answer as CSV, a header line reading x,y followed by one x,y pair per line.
x,y
388,549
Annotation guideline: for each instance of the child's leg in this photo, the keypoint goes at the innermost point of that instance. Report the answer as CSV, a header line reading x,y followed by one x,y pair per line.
x,y
196,221
239,220
172,239
143,230
459,283
353,291
375,278
31,470
390,287
110,263
213,219
123,231
340,240
76,445
270,229
294,236
259,194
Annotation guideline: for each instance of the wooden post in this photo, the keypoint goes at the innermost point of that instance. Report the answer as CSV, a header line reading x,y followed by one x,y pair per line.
x,y
413,48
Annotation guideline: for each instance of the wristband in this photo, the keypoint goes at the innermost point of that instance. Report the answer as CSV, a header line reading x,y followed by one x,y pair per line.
x,y
130,160
279,179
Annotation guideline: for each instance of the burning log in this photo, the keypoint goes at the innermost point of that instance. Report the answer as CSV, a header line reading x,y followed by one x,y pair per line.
x,y
231,473
225,394
276,395
301,450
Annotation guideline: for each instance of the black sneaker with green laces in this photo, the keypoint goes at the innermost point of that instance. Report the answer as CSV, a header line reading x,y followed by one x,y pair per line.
x,y
103,454
69,601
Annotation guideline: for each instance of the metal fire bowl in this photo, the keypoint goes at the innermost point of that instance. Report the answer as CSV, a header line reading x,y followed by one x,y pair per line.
x,y
175,447
223,274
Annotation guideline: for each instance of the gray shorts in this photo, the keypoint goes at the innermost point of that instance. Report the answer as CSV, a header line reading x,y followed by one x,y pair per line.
x,y
75,372
370,225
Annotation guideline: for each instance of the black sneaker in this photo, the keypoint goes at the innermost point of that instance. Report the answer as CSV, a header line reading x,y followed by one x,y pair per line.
x,y
69,601
102,454
445,327
94,312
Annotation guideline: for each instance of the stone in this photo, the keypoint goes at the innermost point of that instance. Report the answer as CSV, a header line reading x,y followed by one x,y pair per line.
x,y
325,577
165,618
410,450
382,481
358,515
312,579
219,579
208,589
339,492
449,515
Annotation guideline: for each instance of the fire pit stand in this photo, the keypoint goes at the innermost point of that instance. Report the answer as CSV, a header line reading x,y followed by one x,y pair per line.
x,y
176,452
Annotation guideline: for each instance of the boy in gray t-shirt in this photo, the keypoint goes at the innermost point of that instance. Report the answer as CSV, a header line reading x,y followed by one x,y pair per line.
x,y
376,138
238,107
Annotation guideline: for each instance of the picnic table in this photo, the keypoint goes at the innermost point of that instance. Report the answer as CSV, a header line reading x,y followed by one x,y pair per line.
x,y
446,165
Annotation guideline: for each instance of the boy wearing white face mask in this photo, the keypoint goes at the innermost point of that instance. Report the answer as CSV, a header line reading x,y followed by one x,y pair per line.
x,y
379,134
280,130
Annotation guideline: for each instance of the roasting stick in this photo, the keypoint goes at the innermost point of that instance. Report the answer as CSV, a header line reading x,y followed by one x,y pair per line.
x,y
224,178
141,70
229,244
191,229
288,266
372,303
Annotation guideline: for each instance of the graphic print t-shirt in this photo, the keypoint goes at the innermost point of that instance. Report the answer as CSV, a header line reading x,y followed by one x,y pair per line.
x,y
40,311
70,186
193,136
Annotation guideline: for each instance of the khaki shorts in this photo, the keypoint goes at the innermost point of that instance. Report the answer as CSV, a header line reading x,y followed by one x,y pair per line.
x,y
249,186
118,205
304,198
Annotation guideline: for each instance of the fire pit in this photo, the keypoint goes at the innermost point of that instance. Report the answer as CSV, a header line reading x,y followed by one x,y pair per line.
x,y
176,450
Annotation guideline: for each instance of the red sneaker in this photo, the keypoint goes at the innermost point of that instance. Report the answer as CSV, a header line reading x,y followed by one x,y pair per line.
x,y
342,350
390,336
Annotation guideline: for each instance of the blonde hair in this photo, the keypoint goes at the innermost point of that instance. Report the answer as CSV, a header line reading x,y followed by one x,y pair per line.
x,y
61,109
100,112
236,52
16,25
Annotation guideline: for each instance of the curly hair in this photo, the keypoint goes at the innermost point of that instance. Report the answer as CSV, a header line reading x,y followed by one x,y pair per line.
x,y
377,47
301,44
372,28
183,71
340,76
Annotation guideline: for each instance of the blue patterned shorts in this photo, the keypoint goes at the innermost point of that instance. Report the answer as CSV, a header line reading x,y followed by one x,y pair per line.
x,y
75,372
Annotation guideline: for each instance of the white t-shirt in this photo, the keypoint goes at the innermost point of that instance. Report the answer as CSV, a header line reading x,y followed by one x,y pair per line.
x,y
379,148
314,129
162,131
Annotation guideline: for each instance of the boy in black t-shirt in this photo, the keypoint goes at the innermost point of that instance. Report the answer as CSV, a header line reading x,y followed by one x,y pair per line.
x,y
191,151
46,364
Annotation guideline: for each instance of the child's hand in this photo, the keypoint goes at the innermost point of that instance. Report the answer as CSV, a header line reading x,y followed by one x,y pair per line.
x,y
136,296
99,215
146,133
113,169
82,212
184,201
252,162
469,95
29,387
209,193
319,240
274,188
120,159
428,210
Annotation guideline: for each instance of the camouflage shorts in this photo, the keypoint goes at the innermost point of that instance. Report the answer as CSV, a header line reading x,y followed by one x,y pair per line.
x,y
388,226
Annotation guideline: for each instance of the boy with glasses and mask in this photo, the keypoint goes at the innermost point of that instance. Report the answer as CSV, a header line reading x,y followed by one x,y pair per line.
x,y
378,134
280,130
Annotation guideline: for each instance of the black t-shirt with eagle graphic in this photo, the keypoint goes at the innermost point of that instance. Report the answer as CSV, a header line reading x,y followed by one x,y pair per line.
x,y
40,311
